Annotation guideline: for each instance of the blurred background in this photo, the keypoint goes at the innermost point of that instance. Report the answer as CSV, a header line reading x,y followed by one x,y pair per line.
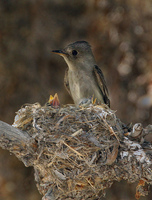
x,y
120,32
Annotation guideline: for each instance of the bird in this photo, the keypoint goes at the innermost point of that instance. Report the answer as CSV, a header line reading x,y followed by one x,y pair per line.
x,y
83,78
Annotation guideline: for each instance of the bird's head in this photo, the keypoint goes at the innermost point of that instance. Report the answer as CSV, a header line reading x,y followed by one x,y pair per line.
x,y
77,55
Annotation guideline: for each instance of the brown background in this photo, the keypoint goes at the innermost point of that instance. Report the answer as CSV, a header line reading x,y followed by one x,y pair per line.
x,y
120,33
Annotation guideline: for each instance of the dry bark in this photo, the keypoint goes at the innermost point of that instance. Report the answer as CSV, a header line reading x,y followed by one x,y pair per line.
x,y
78,152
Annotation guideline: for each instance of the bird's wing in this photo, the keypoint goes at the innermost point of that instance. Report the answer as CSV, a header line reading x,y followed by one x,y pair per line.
x,y
102,84
66,81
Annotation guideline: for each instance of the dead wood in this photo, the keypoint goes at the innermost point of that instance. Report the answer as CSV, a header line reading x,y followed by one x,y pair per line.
x,y
78,152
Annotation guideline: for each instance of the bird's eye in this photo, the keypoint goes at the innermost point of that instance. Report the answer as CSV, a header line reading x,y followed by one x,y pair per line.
x,y
74,52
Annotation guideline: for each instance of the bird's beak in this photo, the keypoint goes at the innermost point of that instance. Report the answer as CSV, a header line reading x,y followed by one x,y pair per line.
x,y
60,52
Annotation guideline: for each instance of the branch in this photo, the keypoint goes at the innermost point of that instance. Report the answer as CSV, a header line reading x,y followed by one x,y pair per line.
x,y
78,152
17,142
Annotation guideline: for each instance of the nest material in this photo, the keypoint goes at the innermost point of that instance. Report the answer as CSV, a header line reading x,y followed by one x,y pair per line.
x,y
76,150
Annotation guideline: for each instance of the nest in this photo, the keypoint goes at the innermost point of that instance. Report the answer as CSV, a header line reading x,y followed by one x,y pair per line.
x,y
76,149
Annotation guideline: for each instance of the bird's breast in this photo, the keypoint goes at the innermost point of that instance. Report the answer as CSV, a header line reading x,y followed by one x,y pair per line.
x,y
75,83
82,85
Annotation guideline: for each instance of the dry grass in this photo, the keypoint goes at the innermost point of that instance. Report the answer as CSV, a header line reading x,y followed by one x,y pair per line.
x,y
77,149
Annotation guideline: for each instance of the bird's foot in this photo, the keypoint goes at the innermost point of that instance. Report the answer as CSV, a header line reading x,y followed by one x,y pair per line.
x,y
86,101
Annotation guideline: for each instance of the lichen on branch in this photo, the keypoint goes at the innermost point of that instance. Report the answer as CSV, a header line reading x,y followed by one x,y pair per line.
x,y
78,152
